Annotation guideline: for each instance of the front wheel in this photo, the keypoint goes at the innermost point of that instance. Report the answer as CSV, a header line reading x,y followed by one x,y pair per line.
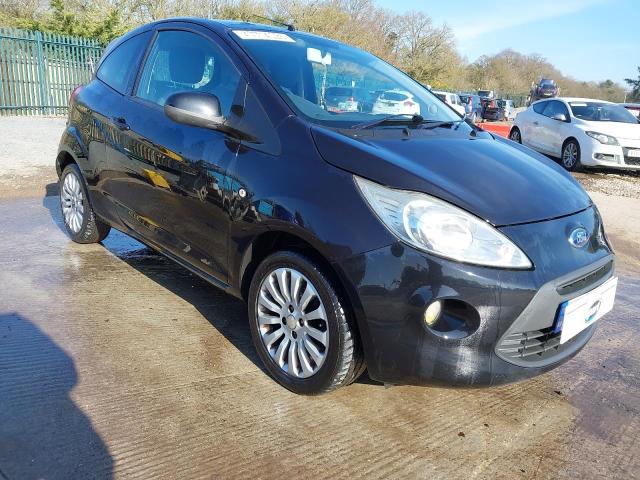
x,y
571,155
79,220
515,135
300,328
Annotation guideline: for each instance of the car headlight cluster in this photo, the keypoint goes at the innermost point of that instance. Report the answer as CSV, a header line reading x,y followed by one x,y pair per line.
x,y
437,227
602,138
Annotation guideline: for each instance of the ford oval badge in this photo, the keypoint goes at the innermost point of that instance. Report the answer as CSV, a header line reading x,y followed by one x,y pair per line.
x,y
579,237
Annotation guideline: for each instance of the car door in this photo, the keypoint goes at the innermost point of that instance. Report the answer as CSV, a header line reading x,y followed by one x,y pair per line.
x,y
111,172
531,128
554,131
186,165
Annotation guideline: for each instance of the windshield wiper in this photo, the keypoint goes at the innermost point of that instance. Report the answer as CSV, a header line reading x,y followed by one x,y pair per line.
x,y
413,119
446,123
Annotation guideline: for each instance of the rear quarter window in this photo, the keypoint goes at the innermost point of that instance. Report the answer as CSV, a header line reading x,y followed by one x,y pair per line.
x,y
120,66
539,107
396,97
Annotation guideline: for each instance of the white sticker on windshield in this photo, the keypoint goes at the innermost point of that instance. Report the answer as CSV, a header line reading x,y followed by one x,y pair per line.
x,y
577,104
261,35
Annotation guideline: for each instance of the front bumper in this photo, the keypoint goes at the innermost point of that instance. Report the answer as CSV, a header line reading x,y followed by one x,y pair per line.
x,y
595,154
391,287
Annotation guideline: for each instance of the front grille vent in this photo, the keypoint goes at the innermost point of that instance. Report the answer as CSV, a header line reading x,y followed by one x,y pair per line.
x,y
584,282
632,160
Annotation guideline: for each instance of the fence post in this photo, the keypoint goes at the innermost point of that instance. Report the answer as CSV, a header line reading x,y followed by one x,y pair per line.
x,y
41,74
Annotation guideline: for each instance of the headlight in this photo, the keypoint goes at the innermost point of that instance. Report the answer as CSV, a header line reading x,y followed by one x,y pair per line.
x,y
438,227
602,138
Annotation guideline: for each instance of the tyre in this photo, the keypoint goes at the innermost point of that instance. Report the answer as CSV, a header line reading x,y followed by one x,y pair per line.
x,y
571,155
80,221
300,327
515,135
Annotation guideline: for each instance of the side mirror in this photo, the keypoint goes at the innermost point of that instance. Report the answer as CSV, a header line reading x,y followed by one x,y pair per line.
x,y
198,109
561,117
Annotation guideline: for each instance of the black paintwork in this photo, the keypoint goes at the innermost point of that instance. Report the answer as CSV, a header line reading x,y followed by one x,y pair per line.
x,y
217,201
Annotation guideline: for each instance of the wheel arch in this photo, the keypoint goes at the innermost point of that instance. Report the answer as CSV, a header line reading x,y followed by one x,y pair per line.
x,y
71,150
271,241
566,140
63,159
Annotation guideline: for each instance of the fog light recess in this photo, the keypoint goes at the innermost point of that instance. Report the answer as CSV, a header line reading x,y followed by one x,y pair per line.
x,y
451,319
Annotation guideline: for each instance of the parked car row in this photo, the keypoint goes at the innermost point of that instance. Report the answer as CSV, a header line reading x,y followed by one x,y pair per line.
x,y
352,99
451,99
582,132
500,109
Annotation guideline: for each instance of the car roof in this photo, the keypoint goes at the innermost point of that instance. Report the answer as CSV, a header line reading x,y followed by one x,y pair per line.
x,y
226,26
579,99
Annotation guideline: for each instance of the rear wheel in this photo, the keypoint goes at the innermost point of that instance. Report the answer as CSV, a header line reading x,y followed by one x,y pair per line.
x,y
79,220
571,155
515,135
301,330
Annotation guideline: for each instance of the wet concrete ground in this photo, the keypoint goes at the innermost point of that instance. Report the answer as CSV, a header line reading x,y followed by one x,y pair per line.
x,y
114,362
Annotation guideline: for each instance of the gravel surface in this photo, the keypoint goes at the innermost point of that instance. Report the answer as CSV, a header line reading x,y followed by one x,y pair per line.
x,y
611,182
29,143
28,147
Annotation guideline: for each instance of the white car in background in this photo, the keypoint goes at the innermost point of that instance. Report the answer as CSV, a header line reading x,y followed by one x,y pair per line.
x,y
451,99
392,102
581,132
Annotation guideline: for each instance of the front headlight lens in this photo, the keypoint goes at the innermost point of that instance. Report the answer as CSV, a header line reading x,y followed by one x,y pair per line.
x,y
602,138
438,227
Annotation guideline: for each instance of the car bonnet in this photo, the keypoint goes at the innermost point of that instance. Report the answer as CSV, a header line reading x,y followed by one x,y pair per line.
x,y
499,181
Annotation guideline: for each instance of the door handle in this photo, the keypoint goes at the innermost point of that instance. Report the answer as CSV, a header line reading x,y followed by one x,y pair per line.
x,y
120,123
535,123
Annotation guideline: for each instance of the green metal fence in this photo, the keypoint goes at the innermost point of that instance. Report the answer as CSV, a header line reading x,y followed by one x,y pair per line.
x,y
39,70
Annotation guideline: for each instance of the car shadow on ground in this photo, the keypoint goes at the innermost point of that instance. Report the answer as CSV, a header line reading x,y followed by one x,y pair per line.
x,y
43,433
227,314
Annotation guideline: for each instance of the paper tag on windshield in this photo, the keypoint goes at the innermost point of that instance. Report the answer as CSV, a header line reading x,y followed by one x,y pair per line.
x,y
258,35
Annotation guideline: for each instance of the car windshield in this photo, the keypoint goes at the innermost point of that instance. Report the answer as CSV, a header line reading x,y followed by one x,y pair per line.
x,y
484,93
547,83
601,112
308,70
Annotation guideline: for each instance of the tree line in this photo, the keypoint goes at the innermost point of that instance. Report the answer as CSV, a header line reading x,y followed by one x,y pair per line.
x,y
410,41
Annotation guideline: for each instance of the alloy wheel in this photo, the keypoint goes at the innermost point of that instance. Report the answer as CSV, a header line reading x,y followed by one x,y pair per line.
x,y
570,155
71,199
515,136
292,322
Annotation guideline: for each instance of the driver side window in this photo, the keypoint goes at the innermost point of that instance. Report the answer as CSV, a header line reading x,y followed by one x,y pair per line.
x,y
182,61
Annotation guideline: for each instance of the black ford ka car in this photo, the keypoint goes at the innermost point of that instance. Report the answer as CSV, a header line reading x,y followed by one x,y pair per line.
x,y
403,239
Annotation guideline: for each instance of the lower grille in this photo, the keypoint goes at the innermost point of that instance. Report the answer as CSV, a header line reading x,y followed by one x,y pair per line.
x,y
534,345
632,160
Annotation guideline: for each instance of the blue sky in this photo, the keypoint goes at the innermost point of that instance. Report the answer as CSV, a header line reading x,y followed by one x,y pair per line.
x,y
585,39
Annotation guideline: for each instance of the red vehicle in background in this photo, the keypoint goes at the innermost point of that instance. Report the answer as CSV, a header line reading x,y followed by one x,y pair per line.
x,y
634,108
546,88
